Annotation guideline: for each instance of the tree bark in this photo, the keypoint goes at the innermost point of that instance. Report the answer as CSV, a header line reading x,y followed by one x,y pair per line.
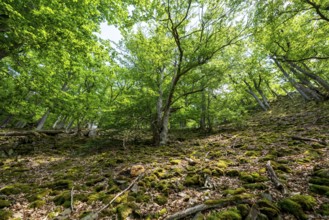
x,y
297,86
42,121
249,90
203,111
311,75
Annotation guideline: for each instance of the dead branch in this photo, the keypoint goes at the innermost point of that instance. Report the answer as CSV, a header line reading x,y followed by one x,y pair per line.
x,y
35,133
323,142
278,185
190,161
72,206
203,207
94,215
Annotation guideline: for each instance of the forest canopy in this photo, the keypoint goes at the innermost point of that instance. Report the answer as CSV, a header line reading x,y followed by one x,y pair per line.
x,y
180,64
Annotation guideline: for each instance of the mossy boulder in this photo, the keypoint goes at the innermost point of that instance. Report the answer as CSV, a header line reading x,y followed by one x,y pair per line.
x,y
61,185
252,177
37,204
15,189
229,214
292,207
260,186
161,199
64,199
324,173
193,180
123,211
268,208
234,191
306,201
319,189
243,209
222,164
320,181
4,203
232,173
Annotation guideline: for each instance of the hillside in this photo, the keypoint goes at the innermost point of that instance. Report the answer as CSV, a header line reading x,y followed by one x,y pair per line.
x,y
224,173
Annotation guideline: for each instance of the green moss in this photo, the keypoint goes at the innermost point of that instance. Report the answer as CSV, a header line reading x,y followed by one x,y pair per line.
x,y
37,204
268,208
235,198
160,173
307,202
4,203
40,194
283,168
15,189
324,173
222,164
162,211
320,181
218,172
287,205
95,181
141,197
61,185
252,177
123,211
232,173
63,199
234,191
243,209
322,190
324,209
260,186
252,153
5,214
175,161
229,214
193,180
207,171
161,199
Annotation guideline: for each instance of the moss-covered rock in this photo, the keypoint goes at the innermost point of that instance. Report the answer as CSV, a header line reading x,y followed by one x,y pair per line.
x,y
5,214
324,173
289,206
193,180
175,161
4,203
230,199
260,186
322,190
94,181
234,191
222,164
306,201
161,199
243,209
252,177
232,173
320,181
15,189
38,195
123,211
268,208
64,199
37,204
61,185
229,214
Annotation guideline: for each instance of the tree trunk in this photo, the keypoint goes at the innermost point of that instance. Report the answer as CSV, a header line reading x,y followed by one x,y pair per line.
x,y
42,121
203,111
317,78
271,90
56,122
249,90
164,128
297,86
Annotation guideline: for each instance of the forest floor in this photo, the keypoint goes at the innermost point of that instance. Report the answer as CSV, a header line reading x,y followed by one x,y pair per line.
x,y
71,178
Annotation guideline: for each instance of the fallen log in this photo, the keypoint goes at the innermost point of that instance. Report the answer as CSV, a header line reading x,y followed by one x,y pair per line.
x,y
34,133
323,142
275,180
208,205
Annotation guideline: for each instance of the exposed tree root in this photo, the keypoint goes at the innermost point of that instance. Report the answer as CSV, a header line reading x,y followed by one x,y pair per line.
x,y
278,185
323,142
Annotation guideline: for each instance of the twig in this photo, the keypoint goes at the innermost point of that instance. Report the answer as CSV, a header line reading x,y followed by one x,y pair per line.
x,y
72,193
275,179
119,194
323,142
202,207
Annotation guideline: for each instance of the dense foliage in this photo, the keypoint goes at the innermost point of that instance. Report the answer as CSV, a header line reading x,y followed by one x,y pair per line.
x,y
180,63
